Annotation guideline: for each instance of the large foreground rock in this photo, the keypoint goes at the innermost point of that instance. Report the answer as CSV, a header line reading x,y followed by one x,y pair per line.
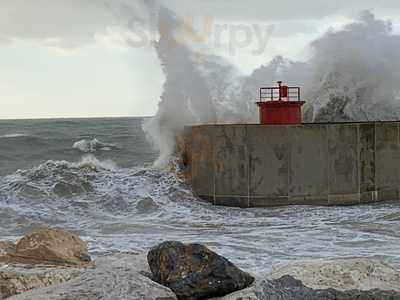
x,y
107,278
19,279
125,277
342,274
289,288
35,261
48,246
194,272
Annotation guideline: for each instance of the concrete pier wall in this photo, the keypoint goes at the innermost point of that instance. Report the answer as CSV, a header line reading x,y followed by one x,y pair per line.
x,y
310,164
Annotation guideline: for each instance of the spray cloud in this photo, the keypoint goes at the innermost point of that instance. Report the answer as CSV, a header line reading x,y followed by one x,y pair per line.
x,y
186,98
353,74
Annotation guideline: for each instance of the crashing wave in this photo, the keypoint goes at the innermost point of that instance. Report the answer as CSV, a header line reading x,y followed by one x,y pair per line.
x,y
89,162
56,179
352,75
91,146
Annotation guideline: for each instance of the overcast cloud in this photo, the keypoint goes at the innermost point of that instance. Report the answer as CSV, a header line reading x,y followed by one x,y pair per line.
x,y
29,27
77,21
283,9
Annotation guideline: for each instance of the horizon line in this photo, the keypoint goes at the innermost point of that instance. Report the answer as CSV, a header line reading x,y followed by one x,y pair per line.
x,y
75,118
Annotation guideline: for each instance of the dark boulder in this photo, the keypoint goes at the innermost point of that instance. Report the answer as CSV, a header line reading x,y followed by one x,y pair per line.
x,y
194,272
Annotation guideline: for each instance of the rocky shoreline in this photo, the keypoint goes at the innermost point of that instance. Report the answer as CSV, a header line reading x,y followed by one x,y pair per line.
x,y
54,264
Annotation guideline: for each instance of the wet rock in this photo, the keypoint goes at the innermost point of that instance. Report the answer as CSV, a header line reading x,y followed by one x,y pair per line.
x,y
19,279
116,204
146,205
115,277
342,274
289,288
194,272
49,246
71,188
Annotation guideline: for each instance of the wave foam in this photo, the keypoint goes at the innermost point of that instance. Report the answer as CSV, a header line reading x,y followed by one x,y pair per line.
x,y
91,146
90,161
13,135
131,208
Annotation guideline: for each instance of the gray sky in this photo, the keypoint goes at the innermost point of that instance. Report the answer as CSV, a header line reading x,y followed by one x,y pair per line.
x,y
86,58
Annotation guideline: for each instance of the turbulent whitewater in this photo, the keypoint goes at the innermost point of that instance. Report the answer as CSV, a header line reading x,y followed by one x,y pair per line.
x,y
119,203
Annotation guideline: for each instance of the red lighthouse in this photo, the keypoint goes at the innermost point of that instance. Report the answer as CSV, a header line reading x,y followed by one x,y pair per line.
x,y
280,105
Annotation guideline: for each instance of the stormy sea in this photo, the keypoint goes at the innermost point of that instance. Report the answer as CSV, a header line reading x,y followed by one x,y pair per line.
x,y
95,177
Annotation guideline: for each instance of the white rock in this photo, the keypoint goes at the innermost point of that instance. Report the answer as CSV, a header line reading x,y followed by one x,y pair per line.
x,y
19,279
116,277
342,274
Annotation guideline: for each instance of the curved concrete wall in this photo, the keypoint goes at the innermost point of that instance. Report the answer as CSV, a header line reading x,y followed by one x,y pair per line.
x,y
310,164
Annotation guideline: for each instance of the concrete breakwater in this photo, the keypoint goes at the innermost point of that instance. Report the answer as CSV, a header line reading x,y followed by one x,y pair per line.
x,y
309,164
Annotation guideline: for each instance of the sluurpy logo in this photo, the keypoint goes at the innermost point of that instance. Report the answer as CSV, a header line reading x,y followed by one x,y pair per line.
x,y
203,33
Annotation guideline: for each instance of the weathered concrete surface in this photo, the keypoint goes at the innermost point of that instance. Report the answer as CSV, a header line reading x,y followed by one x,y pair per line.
x,y
343,164
231,165
310,164
367,162
202,161
308,178
271,142
387,160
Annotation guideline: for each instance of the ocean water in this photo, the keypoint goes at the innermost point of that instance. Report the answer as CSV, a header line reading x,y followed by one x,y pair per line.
x,y
95,177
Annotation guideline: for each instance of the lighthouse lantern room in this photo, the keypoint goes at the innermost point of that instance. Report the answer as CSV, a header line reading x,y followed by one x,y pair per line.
x,y
280,105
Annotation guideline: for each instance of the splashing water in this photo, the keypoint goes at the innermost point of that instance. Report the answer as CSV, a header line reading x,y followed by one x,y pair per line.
x,y
353,74
104,204
186,99
90,146
119,207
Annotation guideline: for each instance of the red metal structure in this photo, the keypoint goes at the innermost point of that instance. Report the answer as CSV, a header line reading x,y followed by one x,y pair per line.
x,y
280,105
